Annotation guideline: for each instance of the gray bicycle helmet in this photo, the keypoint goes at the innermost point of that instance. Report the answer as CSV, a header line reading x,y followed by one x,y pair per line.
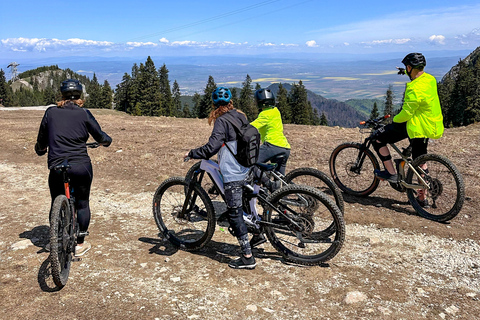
x,y
71,89
264,97
414,60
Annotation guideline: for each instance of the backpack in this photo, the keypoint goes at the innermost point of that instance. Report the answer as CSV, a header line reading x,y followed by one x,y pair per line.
x,y
248,142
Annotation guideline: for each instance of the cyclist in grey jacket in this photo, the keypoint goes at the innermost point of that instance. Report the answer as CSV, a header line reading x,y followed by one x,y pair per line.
x,y
234,174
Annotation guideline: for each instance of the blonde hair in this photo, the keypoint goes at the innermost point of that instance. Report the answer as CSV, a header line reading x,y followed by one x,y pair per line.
x,y
78,102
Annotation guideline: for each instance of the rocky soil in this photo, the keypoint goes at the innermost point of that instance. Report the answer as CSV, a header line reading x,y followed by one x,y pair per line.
x,y
394,264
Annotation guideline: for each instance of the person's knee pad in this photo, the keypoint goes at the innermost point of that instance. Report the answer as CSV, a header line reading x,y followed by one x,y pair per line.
x,y
377,145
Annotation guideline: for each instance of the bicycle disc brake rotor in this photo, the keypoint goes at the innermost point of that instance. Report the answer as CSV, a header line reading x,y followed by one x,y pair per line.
x,y
436,188
351,169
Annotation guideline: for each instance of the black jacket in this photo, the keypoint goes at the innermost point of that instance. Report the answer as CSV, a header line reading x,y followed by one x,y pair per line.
x,y
65,132
223,131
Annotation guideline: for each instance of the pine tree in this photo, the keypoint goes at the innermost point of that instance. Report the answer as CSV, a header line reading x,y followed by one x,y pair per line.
x,y
122,99
106,98
246,102
234,92
167,105
374,114
389,103
299,104
185,113
177,104
282,104
323,119
6,94
257,86
149,100
197,99
206,103
94,94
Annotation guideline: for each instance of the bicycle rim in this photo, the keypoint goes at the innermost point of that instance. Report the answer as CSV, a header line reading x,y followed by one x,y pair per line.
x,y
314,212
196,227
351,180
447,190
61,231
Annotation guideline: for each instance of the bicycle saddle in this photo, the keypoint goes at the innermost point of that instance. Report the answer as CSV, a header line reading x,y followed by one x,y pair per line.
x,y
63,165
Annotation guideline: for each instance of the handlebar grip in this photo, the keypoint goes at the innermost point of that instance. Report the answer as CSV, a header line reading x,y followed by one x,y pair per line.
x,y
186,159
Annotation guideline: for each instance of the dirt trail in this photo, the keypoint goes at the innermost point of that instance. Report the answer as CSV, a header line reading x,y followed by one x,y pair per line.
x,y
394,265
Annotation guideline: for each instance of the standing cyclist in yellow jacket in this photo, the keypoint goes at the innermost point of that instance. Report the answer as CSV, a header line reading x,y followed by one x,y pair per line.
x,y
420,119
269,125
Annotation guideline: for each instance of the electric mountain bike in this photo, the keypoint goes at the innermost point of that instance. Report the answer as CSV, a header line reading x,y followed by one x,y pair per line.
x,y
304,176
352,167
301,223
64,229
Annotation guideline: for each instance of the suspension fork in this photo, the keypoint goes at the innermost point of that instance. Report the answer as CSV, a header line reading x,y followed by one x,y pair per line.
x,y
190,198
361,156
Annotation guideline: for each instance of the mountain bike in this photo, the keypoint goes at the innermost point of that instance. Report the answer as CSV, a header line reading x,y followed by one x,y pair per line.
x,y
302,223
304,176
64,229
352,167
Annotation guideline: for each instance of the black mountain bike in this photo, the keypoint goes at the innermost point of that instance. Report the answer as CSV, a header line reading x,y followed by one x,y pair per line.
x,y
352,167
304,176
301,223
64,229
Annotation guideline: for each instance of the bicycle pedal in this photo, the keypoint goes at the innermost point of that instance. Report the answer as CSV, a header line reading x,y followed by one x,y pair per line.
x,y
76,259
83,234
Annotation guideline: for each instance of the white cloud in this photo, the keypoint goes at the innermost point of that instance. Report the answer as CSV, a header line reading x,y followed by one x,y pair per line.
x,y
437,39
163,40
311,43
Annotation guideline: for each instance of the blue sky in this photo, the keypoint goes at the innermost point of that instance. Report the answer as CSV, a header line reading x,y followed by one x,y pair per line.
x,y
41,29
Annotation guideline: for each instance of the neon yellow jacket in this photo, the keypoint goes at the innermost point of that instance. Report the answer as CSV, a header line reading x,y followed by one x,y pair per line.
x,y
269,125
421,108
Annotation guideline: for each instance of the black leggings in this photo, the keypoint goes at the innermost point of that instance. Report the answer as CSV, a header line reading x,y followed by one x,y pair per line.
x,y
81,176
395,132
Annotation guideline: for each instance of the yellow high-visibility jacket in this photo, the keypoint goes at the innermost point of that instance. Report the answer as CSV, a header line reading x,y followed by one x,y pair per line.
x,y
421,109
269,125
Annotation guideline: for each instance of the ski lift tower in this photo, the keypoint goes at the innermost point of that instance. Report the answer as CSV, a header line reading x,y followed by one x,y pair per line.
x,y
13,70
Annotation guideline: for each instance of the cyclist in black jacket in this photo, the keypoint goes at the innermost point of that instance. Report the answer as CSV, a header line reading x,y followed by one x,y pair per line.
x,y
64,131
234,174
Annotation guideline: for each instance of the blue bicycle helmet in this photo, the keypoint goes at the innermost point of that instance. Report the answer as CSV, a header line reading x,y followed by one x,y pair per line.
x,y
221,96
71,89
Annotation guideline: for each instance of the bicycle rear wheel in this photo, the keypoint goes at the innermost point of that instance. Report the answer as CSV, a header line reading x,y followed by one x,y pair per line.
x,y
319,180
447,189
308,243
192,229
349,177
61,240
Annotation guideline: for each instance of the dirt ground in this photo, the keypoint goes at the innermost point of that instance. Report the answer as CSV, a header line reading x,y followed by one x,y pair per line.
x,y
394,264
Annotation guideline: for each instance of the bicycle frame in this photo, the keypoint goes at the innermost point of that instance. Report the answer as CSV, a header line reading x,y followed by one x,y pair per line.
x,y
213,170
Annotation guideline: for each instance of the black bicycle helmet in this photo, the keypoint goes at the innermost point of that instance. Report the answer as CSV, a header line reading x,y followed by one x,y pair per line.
x,y
221,96
264,97
415,60
71,89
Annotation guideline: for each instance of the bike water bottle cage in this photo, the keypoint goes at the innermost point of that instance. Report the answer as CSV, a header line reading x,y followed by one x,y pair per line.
x,y
221,96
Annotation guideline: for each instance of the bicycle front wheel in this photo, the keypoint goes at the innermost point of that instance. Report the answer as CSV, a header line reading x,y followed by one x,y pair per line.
x,y
190,229
305,241
446,192
61,240
352,169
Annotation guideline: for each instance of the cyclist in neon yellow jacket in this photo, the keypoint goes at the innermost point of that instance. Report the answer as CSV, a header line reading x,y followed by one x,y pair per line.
x,y
275,147
419,120
270,126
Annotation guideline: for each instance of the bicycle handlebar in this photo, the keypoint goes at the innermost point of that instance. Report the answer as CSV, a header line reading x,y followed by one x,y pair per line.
x,y
376,121
186,159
